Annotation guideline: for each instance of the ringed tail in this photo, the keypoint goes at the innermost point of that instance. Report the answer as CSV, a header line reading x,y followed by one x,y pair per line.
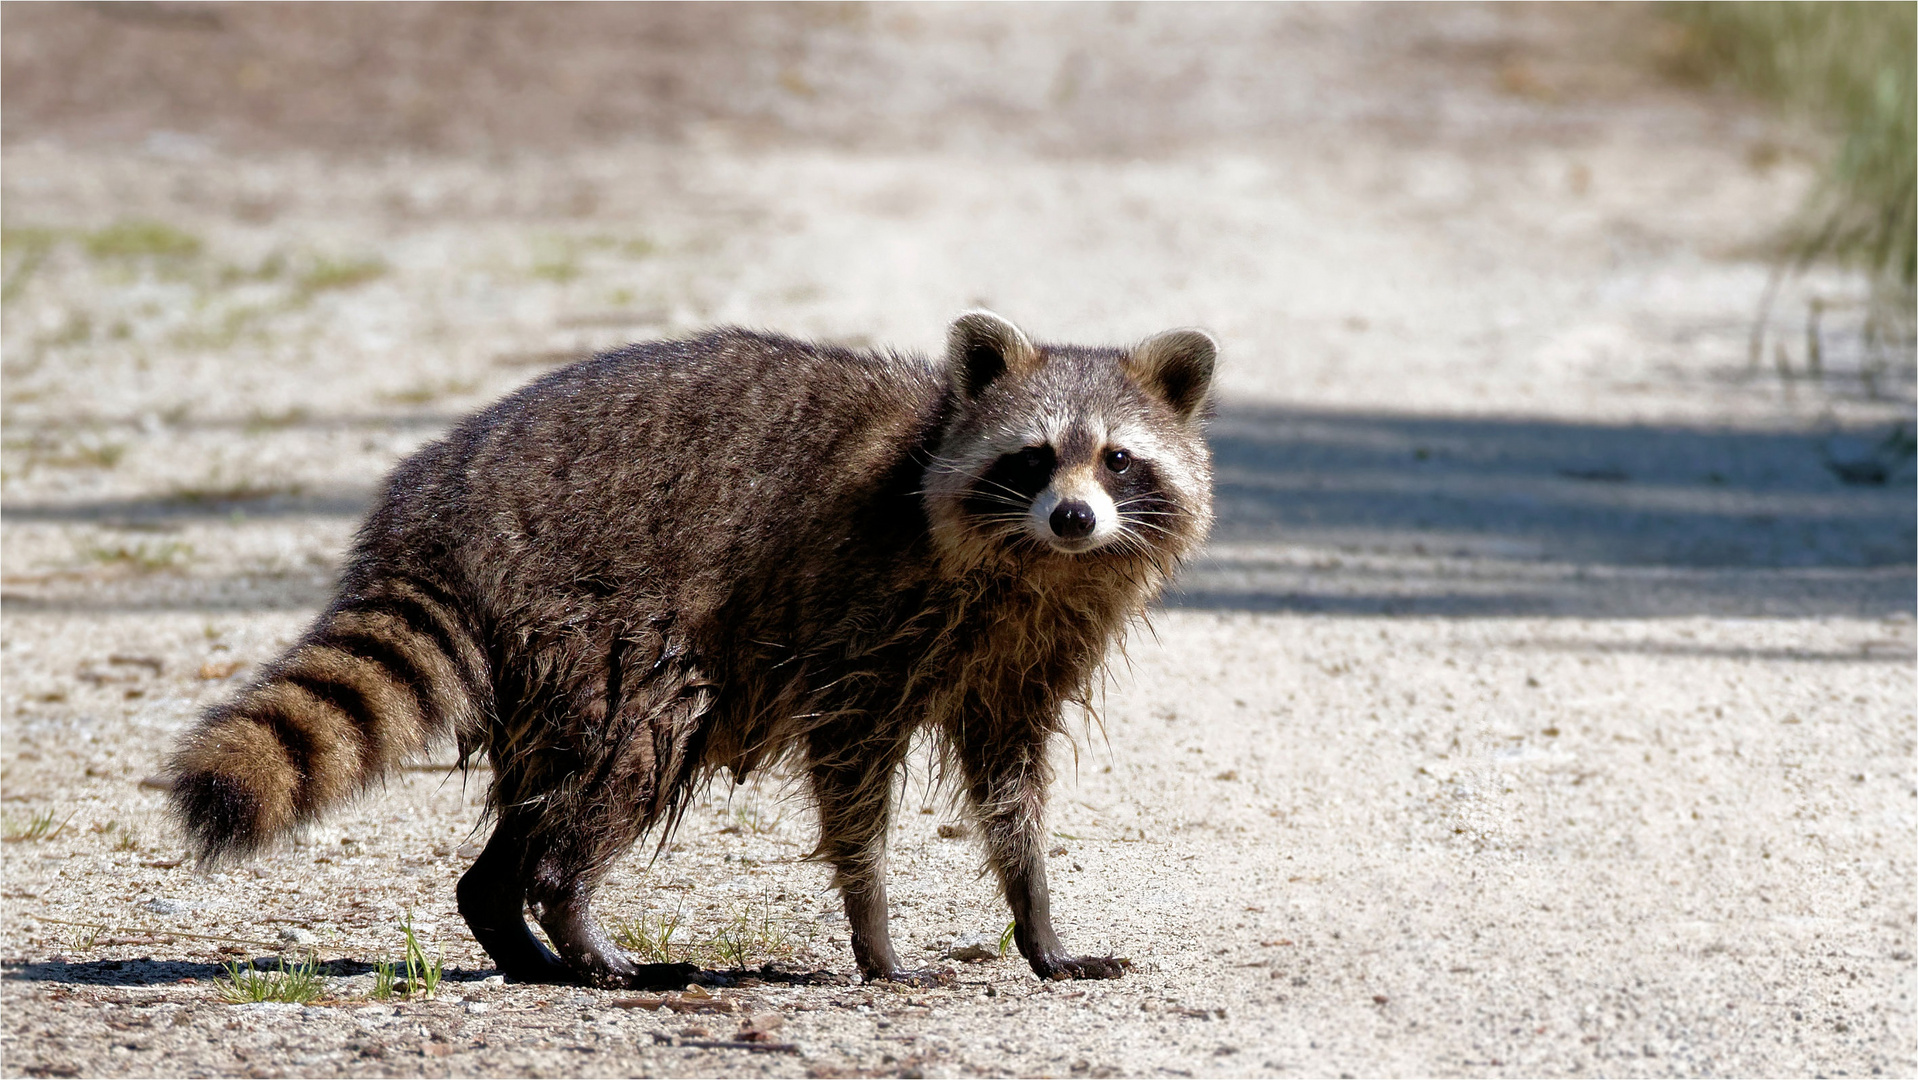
x,y
383,674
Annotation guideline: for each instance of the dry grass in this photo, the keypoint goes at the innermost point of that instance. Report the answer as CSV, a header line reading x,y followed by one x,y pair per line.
x,y
1847,65
40,826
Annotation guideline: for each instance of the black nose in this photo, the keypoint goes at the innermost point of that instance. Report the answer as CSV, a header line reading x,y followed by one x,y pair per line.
x,y
1072,521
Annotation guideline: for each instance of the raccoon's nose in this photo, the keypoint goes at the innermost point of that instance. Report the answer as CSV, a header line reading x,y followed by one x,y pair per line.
x,y
1072,520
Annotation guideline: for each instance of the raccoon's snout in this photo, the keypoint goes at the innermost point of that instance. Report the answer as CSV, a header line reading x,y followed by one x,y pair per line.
x,y
1072,520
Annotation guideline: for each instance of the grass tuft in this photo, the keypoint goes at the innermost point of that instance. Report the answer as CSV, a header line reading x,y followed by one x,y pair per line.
x,y
33,829
1850,65
22,250
386,981
328,274
427,392
96,455
650,938
559,269
414,975
750,935
146,558
260,421
128,841
751,818
423,973
296,985
141,240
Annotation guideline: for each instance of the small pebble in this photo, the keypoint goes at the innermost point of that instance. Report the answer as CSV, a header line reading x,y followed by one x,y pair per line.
x,y
973,947
475,1008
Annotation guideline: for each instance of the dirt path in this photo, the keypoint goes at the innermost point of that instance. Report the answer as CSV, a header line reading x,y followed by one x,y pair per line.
x,y
1544,705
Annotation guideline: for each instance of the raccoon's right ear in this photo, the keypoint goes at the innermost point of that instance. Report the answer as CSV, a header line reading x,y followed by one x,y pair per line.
x,y
982,346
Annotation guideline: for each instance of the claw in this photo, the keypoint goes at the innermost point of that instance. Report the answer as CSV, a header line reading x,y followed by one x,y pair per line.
x,y
1088,967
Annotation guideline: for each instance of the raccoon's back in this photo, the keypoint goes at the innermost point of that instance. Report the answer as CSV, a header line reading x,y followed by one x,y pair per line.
x,y
669,477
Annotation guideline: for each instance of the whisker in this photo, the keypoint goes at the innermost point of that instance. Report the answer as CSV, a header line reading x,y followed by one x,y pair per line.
x,y
1007,499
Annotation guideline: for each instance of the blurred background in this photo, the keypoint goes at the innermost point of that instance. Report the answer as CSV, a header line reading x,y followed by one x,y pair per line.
x,y
1571,309
1548,677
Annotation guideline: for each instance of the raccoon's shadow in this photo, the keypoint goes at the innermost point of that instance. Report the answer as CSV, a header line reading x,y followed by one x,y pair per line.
x,y
110,972
770,975
145,972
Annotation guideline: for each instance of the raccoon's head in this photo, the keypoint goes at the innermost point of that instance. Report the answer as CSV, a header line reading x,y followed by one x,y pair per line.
x,y
1072,452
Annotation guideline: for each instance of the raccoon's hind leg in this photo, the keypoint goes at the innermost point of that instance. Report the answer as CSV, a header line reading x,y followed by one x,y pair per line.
x,y
567,917
634,756
560,888
492,899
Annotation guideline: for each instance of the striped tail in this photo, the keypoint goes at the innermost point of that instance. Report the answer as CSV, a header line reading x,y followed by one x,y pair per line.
x,y
382,675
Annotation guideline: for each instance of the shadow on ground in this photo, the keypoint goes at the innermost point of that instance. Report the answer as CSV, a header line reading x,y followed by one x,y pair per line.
x,y
165,972
148,972
1365,513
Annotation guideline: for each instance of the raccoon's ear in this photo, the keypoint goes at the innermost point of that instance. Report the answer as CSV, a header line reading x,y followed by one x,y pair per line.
x,y
982,346
1177,366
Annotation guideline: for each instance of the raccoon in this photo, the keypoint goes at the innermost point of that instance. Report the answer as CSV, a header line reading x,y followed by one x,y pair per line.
x,y
734,551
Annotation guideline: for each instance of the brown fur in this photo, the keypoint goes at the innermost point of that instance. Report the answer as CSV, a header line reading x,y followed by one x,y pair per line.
x,y
734,551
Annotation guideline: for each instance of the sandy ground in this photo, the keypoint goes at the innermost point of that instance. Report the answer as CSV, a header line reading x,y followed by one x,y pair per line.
x,y
1544,704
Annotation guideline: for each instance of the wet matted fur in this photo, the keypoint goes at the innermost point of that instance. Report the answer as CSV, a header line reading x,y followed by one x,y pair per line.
x,y
731,551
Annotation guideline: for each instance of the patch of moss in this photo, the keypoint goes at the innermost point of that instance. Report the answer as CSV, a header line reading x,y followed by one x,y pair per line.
x,y
328,274
138,239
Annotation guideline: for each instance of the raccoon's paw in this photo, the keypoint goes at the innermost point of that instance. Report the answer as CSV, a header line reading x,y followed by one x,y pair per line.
x,y
1083,967
920,977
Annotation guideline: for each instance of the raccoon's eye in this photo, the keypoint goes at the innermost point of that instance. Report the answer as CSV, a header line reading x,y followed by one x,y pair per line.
x,y
1118,460
1033,457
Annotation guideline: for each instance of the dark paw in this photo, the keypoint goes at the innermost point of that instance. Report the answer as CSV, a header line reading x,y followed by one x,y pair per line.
x,y
1084,967
921,977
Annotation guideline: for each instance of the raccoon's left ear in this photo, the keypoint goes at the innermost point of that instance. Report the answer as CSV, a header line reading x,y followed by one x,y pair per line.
x,y
982,346
1177,366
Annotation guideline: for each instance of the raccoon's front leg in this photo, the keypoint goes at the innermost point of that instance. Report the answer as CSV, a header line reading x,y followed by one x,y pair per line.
x,y
855,807
1007,780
